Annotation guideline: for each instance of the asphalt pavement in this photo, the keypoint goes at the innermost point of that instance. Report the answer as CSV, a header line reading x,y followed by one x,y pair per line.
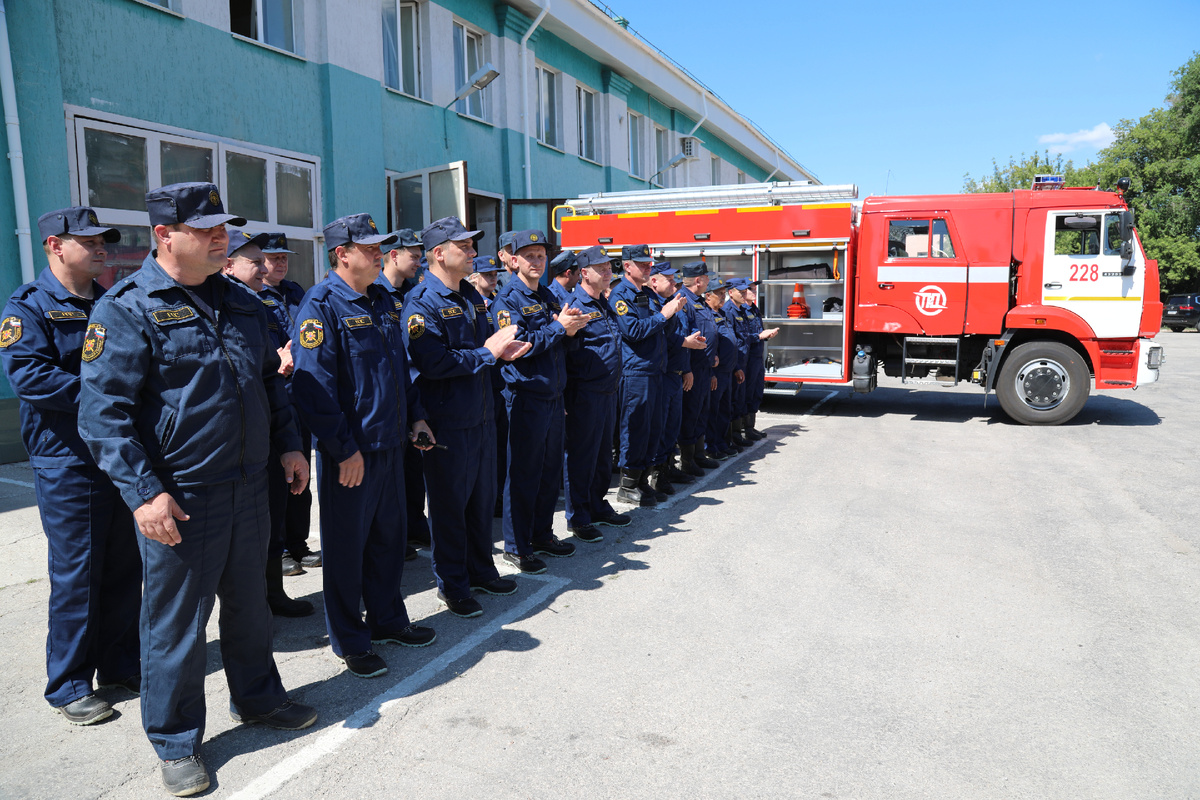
x,y
896,595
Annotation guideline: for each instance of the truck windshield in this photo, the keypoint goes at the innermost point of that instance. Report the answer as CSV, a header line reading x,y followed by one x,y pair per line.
x,y
1068,242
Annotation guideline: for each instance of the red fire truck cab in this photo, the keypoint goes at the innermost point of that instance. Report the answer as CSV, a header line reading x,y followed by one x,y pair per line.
x,y
1033,294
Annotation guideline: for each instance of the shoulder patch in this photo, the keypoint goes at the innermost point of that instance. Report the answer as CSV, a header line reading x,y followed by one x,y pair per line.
x,y
93,341
481,308
10,331
57,315
621,307
362,321
503,318
167,316
529,311
312,333
450,312
416,326
698,306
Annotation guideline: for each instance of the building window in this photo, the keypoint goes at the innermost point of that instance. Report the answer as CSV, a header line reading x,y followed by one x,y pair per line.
x,y
741,176
468,57
635,144
266,21
547,106
715,176
117,164
401,47
585,106
662,155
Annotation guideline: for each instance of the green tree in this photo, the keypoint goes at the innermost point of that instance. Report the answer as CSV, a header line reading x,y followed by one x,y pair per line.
x,y
1019,174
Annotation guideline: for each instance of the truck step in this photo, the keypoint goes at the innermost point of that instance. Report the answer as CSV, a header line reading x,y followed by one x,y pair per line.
x,y
948,362
946,380
931,340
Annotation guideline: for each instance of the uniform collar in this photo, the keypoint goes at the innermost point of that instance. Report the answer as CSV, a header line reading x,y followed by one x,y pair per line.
x,y
338,285
383,281
50,283
519,286
437,287
581,294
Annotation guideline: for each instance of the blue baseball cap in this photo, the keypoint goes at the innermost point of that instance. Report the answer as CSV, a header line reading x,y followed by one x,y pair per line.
x,y
565,261
76,221
354,229
197,205
717,285
486,264
738,283
506,240
636,252
239,239
592,256
405,237
526,238
663,268
277,243
693,268
446,229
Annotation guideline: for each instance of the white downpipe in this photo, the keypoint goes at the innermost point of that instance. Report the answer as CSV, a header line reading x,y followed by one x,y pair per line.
x,y
16,160
704,114
525,95
778,166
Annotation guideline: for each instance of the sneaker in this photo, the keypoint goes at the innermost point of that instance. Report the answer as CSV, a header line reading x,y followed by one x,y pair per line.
x,y
412,636
530,565
553,547
467,607
288,717
311,560
86,710
612,519
291,567
365,665
184,777
131,684
497,586
586,533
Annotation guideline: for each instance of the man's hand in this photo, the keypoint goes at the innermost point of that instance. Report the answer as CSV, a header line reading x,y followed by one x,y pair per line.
x,y
769,333
712,384
688,379
504,345
695,342
572,319
417,428
286,364
350,471
739,376
156,519
716,361
295,469
673,306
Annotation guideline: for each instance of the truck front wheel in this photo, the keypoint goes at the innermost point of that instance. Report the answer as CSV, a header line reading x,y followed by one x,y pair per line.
x,y
1043,383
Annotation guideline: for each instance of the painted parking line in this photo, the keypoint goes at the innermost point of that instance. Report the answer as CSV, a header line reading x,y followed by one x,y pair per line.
x,y
361,720
26,484
820,403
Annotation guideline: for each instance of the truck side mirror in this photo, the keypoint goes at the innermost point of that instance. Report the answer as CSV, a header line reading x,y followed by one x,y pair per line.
x,y
1127,267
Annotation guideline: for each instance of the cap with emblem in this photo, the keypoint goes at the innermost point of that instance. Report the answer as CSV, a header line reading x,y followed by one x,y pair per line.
x,y
636,252
526,238
239,239
277,243
197,205
405,237
738,283
354,229
593,256
716,286
76,221
506,240
446,229
694,268
564,262
486,264
663,268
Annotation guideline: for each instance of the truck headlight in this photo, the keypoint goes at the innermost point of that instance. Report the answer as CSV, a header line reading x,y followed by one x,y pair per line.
x,y
1154,357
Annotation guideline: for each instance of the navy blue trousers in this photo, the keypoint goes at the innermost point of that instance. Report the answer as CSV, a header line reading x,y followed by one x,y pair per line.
x,y
95,581
461,482
720,412
737,391
501,410
671,410
640,419
591,417
535,457
223,554
414,496
362,550
694,419
298,507
756,373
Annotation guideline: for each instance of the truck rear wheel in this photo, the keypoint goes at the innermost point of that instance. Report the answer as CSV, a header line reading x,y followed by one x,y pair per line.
x,y
1043,383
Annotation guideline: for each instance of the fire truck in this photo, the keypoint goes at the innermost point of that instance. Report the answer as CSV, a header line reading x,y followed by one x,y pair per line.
x,y
1032,294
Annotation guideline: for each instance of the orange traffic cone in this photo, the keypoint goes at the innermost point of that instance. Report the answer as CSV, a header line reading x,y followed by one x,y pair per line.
x,y
798,309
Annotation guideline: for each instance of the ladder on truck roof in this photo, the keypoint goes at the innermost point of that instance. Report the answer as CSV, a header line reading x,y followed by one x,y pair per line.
x,y
734,195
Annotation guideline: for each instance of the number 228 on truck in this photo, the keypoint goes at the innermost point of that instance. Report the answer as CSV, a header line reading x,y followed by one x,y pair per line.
x,y
1033,294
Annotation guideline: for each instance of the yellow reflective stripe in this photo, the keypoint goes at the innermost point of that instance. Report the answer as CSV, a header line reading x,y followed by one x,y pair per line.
x,y
638,214
759,208
694,212
581,218
825,205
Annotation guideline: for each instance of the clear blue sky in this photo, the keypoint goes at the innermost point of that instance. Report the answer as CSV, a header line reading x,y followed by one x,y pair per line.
x,y
927,90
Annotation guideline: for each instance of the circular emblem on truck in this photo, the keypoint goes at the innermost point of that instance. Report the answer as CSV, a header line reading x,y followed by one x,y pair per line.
x,y
930,300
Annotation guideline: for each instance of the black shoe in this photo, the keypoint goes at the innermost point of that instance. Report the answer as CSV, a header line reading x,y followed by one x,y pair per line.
x,y
702,459
131,684
497,586
676,475
553,547
530,565
649,492
612,519
291,567
467,607
311,560
184,777
284,606
586,533
288,717
659,481
410,553
365,665
412,636
86,710
720,455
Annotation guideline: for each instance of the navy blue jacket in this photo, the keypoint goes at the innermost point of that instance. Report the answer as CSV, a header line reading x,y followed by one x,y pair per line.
x,y
542,372
444,331
175,391
41,339
293,294
678,360
279,315
741,327
728,342
645,345
699,317
754,322
351,383
595,365
562,296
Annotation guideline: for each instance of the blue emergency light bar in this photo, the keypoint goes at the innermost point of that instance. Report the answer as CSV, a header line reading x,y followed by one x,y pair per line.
x,y
1044,182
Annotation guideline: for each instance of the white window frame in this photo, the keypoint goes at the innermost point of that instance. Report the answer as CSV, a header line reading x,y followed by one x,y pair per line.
x,y
401,44
459,167
546,121
582,93
662,155
714,175
636,145
297,32
479,38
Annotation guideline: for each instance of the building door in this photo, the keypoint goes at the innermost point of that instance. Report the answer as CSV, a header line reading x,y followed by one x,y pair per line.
x,y
417,198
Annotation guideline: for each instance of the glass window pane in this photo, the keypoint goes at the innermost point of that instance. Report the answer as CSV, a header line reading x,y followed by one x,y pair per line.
x,y
1112,236
942,246
301,266
445,190
552,109
408,203
410,50
183,163
277,24
242,18
126,256
908,238
247,189
116,170
293,195
391,47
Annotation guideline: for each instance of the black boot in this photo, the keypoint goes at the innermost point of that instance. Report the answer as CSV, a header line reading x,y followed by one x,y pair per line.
x,y
630,491
701,457
687,461
659,481
752,432
648,490
736,426
282,605
676,474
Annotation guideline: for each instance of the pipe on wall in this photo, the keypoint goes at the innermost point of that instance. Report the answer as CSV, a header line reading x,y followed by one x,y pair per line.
x,y
16,159
525,95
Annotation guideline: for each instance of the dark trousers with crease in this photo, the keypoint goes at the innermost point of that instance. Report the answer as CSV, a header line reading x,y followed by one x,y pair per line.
x,y
535,457
591,417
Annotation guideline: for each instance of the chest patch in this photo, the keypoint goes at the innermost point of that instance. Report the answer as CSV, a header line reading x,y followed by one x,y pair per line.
x,y
450,312
312,333
10,331
503,318
697,306
416,326
62,316
481,308
93,341
169,316
594,315
621,307
363,321
529,311
269,302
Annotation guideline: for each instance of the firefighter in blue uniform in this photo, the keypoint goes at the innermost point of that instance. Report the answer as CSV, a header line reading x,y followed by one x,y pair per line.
x,y
94,568
732,310
725,372
644,360
755,365
180,401
485,279
696,400
283,298
352,388
593,376
453,350
533,387
564,277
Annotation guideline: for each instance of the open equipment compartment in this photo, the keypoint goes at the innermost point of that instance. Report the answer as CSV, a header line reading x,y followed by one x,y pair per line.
x,y
810,277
